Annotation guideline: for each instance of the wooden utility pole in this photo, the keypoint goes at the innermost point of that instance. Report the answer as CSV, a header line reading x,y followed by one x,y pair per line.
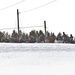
x,y
18,20
45,27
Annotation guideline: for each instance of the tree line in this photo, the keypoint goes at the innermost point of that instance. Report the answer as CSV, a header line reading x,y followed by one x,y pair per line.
x,y
36,37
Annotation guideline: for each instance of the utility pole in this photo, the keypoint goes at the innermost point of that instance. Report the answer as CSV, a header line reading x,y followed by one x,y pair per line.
x,y
45,27
18,20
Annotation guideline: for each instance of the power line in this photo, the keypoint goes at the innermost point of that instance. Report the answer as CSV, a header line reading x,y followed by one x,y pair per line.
x,y
38,7
22,27
48,29
31,27
8,28
12,5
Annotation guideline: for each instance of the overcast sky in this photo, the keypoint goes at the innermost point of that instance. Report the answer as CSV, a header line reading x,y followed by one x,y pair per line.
x,y
59,15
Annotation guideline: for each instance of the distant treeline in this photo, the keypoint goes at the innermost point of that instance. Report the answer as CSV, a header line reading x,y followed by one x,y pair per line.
x,y
36,37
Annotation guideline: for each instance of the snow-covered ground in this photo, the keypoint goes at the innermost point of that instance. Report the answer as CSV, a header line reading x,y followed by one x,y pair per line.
x,y
37,59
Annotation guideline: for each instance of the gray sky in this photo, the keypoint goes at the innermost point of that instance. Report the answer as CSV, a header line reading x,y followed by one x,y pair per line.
x,y
60,15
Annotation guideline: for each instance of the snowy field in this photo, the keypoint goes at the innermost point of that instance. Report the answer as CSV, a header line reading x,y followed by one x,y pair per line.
x,y
37,59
